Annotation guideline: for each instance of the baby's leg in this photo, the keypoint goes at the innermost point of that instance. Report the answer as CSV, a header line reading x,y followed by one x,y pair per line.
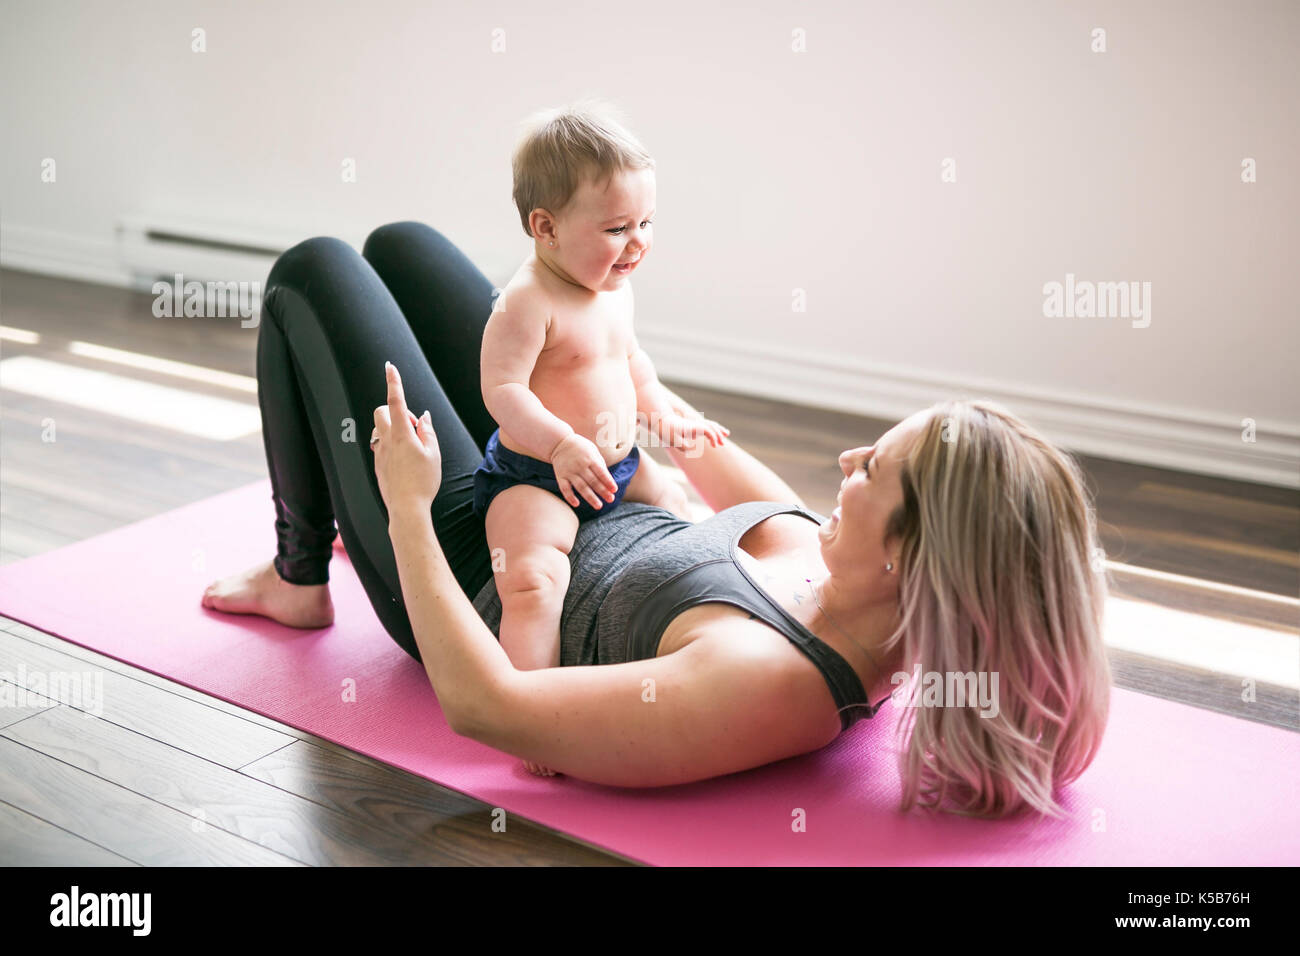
x,y
530,533
534,530
652,485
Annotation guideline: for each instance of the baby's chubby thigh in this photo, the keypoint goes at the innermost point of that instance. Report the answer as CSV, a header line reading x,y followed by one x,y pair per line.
x,y
530,532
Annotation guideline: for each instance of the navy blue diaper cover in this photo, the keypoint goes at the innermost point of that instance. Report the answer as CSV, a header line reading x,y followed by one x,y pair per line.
x,y
501,468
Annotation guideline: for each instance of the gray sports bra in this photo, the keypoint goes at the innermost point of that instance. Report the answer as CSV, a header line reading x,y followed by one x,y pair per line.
x,y
690,569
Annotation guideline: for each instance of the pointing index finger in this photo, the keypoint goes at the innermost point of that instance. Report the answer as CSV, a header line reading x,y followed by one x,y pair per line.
x,y
397,410
396,397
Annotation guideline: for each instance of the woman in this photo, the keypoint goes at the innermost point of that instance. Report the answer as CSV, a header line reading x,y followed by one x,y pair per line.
x,y
963,544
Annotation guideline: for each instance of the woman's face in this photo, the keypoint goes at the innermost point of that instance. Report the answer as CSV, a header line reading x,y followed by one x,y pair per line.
x,y
603,227
852,541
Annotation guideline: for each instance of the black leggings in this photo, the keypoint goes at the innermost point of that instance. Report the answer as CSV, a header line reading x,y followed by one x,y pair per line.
x,y
330,319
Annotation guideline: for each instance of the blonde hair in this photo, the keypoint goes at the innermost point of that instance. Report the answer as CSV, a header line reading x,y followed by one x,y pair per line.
x,y
1000,573
560,147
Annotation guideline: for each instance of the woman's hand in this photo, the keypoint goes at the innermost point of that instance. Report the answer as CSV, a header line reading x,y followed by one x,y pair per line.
x,y
408,461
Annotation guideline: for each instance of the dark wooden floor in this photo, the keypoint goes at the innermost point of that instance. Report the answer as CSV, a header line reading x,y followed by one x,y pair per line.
x,y
166,775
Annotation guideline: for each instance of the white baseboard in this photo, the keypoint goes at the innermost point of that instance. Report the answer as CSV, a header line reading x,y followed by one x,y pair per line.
x,y
63,254
1182,439
81,259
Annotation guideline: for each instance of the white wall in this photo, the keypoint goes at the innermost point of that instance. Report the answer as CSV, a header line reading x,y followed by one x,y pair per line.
x,y
777,170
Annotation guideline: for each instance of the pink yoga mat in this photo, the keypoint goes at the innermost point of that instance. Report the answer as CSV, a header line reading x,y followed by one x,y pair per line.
x,y
1172,785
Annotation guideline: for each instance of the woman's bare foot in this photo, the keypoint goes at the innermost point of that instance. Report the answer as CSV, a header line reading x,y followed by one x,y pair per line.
x,y
261,590
538,769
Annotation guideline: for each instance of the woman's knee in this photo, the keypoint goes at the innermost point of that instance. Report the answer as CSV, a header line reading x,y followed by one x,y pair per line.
x,y
675,499
311,260
330,278
388,242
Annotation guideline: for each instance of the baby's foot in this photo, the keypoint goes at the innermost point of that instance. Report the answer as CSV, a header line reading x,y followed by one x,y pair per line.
x,y
533,767
261,590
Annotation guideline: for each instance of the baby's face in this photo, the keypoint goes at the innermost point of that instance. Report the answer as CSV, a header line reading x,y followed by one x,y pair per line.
x,y
603,228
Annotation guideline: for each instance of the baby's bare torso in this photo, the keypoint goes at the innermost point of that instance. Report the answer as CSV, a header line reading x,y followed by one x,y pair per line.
x,y
582,374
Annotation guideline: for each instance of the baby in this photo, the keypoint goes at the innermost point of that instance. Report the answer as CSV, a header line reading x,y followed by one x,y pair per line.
x,y
563,376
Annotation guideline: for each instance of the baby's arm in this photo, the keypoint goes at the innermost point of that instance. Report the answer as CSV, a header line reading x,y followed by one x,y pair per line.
x,y
680,405
512,341
669,418
729,475
652,398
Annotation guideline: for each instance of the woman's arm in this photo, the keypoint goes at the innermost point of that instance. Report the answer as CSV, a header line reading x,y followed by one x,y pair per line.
x,y
460,654
712,708
465,664
727,475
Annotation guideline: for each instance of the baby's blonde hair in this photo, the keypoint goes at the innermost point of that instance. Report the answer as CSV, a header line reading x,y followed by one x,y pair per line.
x,y
1000,572
561,146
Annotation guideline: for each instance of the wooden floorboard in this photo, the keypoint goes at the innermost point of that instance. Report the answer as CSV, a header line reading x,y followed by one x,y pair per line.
x,y
1256,608
258,809
104,662
172,719
31,841
164,774
20,702
1261,703
118,819
461,826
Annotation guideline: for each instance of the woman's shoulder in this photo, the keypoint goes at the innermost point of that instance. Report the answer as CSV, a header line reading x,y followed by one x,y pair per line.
x,y
770,526
635,527
759,510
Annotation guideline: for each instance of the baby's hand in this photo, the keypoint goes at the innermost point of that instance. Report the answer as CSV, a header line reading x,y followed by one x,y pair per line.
x,y
674,428
580,468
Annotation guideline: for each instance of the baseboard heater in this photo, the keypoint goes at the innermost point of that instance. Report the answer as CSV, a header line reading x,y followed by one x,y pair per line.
x,y
156,247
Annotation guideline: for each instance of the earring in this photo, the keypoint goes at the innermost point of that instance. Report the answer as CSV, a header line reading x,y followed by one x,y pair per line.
x,y
889,566
552,243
